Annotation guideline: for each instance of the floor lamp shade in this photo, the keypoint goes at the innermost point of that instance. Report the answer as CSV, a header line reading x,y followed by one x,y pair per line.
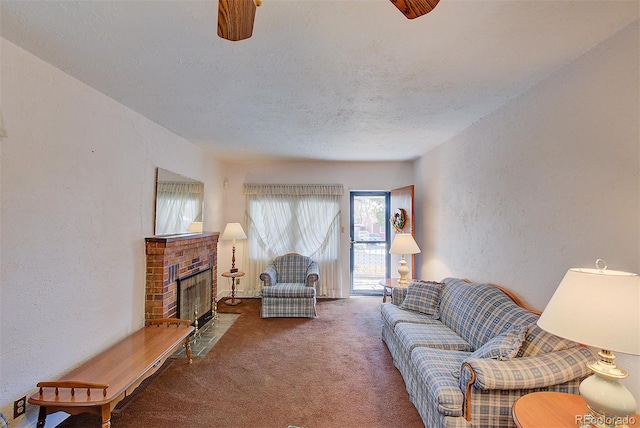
x,y
599,308
403,243
232,232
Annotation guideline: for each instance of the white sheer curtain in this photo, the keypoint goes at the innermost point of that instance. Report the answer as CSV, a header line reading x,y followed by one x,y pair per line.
x,y
294,218
178,205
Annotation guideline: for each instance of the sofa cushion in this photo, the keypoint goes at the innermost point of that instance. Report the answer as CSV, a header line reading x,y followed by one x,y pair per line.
x,y
423,296
435,368
288,290
479,312
504,346
434,335
538,341
392,315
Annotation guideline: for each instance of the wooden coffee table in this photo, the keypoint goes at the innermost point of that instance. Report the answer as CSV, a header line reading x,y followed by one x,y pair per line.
x,y
113,374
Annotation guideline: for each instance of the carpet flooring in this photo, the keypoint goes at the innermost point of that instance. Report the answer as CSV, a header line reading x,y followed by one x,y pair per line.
x,y
331,371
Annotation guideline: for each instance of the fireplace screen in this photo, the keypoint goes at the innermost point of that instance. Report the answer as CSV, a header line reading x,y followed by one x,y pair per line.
x,y
195,297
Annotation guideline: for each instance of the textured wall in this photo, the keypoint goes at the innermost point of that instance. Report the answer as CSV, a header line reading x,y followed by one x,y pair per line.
x,y
77,201
549,182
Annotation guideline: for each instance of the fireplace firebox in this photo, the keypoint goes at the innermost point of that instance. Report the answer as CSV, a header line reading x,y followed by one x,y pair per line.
x,y
195,300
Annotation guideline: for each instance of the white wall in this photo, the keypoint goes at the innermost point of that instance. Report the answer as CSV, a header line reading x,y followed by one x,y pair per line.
x,y
77,201
549,182
352,175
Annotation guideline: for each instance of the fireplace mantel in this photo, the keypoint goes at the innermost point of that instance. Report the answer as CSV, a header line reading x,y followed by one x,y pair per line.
x,y
170,257
181,237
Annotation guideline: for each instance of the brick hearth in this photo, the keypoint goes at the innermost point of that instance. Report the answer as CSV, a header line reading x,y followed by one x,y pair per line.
x,y
170,258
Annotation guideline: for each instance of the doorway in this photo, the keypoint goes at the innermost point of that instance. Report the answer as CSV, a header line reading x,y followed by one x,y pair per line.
x,y
369,249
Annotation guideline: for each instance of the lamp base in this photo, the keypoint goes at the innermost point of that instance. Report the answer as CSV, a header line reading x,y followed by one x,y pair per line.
x,y
610,403
403,270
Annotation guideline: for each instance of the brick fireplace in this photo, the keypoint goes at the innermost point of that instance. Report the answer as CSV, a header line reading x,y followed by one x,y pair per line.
x,y
170,258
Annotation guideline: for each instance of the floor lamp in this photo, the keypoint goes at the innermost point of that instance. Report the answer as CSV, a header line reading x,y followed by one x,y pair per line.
x,y
232,232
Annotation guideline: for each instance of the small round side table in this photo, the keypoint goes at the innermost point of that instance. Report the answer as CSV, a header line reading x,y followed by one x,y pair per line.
x,y
390,283
233,275
553,409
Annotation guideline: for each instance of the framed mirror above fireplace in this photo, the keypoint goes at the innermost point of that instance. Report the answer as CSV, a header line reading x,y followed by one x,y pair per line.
x,y
179,204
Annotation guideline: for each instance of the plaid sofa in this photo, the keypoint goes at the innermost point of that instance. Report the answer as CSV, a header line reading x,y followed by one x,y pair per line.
x,y
466,352
289,287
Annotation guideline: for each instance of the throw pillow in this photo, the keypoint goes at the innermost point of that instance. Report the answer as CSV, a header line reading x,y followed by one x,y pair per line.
x,y
504,346
423,296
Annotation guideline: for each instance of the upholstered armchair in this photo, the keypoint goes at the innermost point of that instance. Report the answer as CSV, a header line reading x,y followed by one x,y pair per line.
x,y
289,287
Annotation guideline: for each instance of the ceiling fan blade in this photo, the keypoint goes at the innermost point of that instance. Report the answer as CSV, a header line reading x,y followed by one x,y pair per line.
x,y
415,8
235,19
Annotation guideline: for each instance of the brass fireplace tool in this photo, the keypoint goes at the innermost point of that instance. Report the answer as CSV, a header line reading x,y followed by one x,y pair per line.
x,y
196,332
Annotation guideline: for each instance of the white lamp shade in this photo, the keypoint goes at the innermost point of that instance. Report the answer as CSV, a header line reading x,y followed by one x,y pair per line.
x,y
233,231
596,307
195,227
403,243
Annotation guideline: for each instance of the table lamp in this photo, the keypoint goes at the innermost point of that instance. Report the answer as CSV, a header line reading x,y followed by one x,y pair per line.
x,y
599,308
232,232
403,243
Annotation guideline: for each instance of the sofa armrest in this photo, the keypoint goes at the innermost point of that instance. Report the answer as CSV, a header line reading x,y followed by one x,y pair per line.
x,y
527,372
269,275
313,273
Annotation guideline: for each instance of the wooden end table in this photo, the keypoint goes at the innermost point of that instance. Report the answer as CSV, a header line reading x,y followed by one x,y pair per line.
x,y
554,409
232,301
390,283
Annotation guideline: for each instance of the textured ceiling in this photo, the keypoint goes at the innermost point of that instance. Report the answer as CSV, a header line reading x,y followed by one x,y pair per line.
x,y
334,80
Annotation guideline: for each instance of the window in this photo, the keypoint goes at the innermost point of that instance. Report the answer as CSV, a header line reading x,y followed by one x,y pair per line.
x,y
302,219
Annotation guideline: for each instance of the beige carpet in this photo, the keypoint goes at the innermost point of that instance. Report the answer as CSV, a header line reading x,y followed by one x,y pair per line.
x,y
331,371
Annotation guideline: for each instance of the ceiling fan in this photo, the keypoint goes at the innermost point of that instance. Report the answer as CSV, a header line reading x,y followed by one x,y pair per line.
x,y
235,17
